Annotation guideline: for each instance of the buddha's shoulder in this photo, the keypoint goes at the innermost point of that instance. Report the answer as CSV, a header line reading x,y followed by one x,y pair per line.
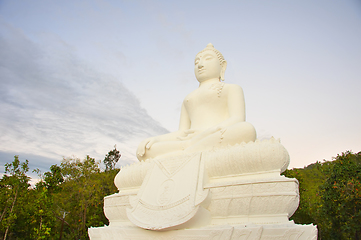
x,y
232,87
190,96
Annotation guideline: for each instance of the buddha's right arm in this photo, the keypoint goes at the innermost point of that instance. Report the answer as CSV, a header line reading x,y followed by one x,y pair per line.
x,y
147,144
184,125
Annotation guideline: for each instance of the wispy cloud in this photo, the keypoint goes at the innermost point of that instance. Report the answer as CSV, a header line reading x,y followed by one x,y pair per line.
x,y
53,105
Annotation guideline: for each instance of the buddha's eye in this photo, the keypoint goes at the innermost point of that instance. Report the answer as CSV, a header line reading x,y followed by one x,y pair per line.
x,y
209,58
196,62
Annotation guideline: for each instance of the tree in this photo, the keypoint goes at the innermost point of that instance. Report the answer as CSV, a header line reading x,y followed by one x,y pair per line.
x,y
310,179
303,213
41,218
13,190
64,203
54,178
44,211
81,195
341,198
111,159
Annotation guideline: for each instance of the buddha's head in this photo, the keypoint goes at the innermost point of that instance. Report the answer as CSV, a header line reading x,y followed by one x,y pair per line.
x,y
209,64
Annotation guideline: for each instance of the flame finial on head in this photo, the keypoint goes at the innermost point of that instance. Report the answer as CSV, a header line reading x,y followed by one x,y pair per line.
x,y
210,45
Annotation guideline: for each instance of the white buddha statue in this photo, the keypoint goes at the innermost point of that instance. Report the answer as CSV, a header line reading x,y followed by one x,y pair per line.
x,y
212,116
211,179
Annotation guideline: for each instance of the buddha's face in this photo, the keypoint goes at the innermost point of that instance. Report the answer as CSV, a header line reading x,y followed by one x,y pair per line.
x,y
207,66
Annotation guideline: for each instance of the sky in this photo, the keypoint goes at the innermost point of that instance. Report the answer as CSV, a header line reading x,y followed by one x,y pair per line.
x,y
78,77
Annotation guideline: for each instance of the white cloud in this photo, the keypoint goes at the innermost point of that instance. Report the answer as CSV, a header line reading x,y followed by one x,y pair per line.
x,y
53,105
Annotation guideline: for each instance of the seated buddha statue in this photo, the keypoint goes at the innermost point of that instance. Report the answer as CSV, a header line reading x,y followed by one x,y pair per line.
x,y
184,183
212,116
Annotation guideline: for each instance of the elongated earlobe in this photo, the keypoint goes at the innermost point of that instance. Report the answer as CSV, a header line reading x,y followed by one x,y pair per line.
x,y
223,70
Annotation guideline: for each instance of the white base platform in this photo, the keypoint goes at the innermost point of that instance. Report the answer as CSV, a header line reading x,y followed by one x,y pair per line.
x,y
247,198
220,232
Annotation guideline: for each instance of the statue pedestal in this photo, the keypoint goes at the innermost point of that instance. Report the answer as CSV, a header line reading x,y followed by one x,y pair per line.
x,y
248,199
220,232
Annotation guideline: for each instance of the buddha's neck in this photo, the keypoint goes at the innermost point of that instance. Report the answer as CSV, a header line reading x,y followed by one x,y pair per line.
x,y
209,82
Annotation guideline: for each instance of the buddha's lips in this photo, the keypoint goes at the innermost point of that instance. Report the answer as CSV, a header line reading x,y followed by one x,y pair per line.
x,y
201,70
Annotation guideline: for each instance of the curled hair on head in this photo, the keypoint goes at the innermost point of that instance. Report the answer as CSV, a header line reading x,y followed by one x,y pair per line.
x,y
211,47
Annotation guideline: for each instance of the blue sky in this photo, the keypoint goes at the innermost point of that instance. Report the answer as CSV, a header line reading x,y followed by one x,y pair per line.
x,y
77,77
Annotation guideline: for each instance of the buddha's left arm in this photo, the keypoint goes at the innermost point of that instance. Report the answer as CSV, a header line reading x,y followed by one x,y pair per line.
x,y
236,106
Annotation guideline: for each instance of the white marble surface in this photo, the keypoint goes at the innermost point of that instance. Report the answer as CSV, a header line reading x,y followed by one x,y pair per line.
x,y
211,179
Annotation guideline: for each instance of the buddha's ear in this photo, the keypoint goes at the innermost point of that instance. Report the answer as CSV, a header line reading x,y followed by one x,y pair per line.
x,y
223,70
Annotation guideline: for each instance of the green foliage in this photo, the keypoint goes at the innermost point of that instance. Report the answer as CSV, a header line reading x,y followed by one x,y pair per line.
x,y
70,194
14,194
341,198
330,196
82,194
111,159
303,213
42,218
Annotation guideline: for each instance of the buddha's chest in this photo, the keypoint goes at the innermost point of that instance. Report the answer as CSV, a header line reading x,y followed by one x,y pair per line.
x,y
211,98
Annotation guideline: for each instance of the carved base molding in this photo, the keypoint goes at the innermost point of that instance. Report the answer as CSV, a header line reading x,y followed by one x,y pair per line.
x,y
235,200
221,232
246,198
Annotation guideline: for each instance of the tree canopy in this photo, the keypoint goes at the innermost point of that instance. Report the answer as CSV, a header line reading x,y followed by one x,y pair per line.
x,y
62,205
330,196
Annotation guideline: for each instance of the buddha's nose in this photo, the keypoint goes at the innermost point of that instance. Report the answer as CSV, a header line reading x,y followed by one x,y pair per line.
x,y
200,65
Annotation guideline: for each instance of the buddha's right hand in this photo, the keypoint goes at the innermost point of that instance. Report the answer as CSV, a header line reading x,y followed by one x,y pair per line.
x,y
145,145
